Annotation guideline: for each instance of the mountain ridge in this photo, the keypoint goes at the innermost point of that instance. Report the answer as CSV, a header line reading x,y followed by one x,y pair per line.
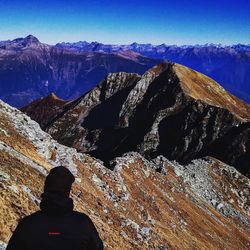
x,y
79,44
170,110
227,64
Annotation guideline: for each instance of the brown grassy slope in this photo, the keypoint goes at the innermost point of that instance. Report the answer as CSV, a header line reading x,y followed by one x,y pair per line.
x,y
202,87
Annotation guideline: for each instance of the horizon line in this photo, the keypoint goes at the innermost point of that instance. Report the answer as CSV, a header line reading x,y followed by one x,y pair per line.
x,y
125,44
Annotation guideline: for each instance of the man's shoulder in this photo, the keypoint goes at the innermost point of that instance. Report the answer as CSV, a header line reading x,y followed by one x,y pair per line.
x,y
81,216
30,220
74,216
84,221
31,217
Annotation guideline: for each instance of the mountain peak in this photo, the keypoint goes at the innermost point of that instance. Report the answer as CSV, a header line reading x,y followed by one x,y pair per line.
x,y
53,96
25,41
202,87
31,39
48,106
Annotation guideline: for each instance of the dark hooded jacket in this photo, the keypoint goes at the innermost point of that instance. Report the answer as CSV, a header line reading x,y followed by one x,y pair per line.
x,y
55,226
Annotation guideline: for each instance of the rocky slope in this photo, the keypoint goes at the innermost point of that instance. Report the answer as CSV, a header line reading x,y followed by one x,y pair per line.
x,y
141,204
30,69
171,110
229,65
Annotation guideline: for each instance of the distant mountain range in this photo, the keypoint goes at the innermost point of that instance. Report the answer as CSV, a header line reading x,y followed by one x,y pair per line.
x,y
148,48
228,65
30,69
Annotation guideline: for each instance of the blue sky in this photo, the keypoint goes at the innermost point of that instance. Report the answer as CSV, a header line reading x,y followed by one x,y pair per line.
x,y
123,22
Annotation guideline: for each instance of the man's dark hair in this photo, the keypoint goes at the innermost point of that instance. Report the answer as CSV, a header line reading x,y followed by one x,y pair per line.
x,y
56,225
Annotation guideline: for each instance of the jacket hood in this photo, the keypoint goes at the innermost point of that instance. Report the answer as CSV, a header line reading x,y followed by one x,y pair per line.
x,y
55,204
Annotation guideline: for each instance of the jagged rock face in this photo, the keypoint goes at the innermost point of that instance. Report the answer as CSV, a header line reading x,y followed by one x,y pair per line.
x,y
113,91
141,204
171,110
30,70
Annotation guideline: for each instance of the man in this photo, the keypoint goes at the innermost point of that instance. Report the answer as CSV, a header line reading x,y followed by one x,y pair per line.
x,y
56,225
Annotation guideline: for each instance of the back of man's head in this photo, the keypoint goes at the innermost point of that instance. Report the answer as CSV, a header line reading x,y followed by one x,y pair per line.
x,y
59,181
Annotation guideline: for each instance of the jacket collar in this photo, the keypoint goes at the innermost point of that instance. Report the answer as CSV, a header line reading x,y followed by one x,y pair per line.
x,y
56,204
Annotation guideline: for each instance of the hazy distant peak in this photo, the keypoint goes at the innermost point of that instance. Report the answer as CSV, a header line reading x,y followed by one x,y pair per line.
x,y
28,40
21,43
31,38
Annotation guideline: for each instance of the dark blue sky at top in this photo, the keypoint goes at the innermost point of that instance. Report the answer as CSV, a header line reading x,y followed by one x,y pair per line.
x,y
122,22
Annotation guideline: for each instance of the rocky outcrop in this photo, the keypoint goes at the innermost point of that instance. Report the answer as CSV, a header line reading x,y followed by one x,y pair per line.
x,y
141,204
30,70
171,110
